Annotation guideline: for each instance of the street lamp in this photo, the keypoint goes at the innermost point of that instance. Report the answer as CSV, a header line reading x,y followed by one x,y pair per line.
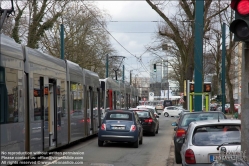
x,y
165,47
5,13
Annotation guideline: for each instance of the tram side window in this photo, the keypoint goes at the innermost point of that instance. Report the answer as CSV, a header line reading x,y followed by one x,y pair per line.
x,y
11,113
37,97
95,104
63,98
3,95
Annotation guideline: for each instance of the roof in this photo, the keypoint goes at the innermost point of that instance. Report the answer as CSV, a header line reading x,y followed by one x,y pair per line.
x,y
216,122
197,112
142,109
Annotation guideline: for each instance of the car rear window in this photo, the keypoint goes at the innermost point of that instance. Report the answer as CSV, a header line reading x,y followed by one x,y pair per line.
x,y
118,116
143,114
188,118
216,135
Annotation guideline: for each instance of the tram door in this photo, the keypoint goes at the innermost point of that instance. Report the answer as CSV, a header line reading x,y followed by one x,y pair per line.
x,y
50,113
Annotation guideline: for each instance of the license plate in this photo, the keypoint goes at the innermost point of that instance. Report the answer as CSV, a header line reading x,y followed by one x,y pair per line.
x,y
118,128
213,158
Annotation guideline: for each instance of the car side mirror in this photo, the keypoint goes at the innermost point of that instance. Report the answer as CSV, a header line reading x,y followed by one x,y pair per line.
x,y
157,116
174,124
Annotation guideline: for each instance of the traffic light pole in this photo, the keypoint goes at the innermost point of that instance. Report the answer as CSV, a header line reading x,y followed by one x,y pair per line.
x,y
244,100
198,53
223,82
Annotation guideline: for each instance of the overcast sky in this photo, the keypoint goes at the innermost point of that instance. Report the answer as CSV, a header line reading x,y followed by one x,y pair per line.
x,y
134,30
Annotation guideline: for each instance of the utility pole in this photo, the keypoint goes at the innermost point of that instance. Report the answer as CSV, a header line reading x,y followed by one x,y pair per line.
x,y
123,72
198,53
62,41
106,66
130,77
244,100
223,67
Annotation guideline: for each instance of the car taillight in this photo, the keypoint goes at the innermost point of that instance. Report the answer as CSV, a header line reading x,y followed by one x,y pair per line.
x,y
103,127
148,120
133,128
180,132
190,157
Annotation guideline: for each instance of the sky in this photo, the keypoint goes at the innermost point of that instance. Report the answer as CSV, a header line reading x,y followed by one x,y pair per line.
x,y
132,25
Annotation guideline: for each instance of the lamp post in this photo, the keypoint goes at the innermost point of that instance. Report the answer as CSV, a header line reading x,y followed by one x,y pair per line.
x,y
5,13
165,47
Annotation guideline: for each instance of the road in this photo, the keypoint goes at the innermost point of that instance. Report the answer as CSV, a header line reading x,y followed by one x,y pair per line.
x,y
154,151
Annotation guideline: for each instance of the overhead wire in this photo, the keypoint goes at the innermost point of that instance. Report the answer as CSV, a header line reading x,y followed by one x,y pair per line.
x,y
138,58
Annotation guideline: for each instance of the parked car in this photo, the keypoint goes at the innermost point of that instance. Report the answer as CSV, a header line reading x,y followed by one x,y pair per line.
x,y
236,108
159,107
121,126
227,106
207,141
148,120
172,111
182,126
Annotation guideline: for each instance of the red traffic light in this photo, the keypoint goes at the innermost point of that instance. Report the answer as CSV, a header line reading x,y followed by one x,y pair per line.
x,y
240,26
243,7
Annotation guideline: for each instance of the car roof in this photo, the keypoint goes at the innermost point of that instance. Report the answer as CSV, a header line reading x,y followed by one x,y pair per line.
x,y
145,106
198,112
139,109
217,122
119,110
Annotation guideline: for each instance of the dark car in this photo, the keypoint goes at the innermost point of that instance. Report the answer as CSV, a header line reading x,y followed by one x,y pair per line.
x,y
121,126
185,119
148,120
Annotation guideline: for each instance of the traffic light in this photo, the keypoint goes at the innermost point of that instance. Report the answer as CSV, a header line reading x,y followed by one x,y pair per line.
x,y
192,87
240,26
154,67
207,87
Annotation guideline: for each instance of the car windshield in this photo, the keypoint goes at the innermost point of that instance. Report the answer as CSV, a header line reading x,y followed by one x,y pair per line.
x,y
188,118
118,116
216,135
143,114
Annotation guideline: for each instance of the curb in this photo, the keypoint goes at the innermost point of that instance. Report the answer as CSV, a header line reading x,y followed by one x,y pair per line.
x,y
171,158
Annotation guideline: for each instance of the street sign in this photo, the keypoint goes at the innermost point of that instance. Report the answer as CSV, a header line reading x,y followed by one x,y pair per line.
x,y
151,96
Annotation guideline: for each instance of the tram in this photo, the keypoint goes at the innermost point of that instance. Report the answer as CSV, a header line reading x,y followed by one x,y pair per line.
x,y
47,102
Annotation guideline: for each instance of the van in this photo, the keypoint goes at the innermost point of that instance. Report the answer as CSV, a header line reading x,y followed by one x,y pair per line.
x,y
167,103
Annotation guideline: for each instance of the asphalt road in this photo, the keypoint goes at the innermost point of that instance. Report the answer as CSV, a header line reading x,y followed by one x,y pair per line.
x,y
154,151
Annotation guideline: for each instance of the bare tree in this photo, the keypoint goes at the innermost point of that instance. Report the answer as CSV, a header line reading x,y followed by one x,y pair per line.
x,y
86,40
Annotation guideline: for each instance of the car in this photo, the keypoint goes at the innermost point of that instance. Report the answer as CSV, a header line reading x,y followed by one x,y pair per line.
x,y
227,106
182,125
148,120
121,126
210,141
159,107
167,103
172,111
151,108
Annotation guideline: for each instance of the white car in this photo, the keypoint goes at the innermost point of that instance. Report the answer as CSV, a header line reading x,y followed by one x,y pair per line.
x,y
210,141
172,111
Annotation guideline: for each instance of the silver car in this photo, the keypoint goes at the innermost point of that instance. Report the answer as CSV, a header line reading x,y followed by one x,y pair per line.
x,y
210,141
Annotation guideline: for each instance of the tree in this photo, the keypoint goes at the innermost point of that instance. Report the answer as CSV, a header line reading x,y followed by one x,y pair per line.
x,y
179,31
86,39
